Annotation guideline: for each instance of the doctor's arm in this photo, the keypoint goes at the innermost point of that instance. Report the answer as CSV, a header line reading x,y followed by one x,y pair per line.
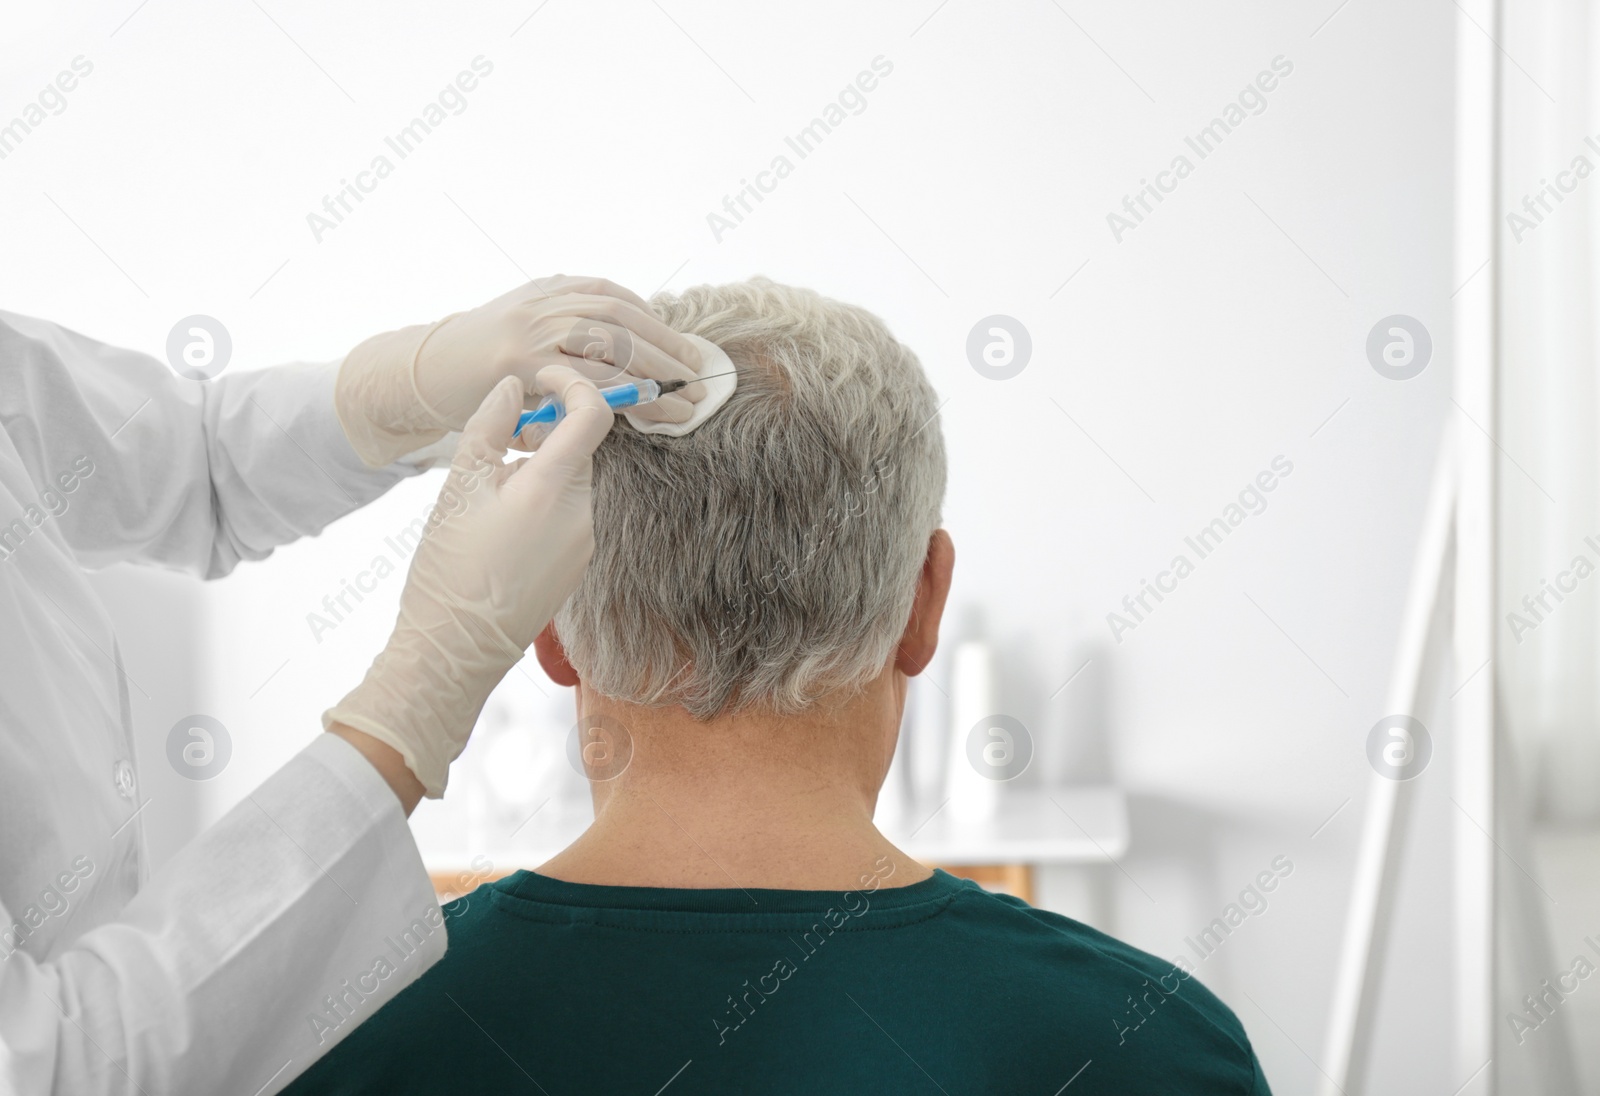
x,y
233,969
145,466
140,465
278,930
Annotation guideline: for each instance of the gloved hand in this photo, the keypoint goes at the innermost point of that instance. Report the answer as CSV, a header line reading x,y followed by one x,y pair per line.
x,y
502,550
406,389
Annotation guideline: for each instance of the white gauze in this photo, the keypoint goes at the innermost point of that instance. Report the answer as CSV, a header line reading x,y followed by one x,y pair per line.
x,y
714,364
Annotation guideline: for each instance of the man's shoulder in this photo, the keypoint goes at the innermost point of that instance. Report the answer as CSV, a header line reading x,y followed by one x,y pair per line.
x,y
1067,970
1061,937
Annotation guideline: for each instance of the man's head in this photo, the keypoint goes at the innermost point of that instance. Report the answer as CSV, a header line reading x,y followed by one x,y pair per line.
x,y
772,557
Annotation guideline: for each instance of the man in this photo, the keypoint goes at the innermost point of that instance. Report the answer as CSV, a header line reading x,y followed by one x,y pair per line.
x,y
733,921
198,979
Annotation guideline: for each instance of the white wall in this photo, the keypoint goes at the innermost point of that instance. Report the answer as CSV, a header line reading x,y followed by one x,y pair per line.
x,y
1220,333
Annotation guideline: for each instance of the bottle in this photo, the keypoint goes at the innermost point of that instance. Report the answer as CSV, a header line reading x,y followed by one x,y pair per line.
x,y
973,790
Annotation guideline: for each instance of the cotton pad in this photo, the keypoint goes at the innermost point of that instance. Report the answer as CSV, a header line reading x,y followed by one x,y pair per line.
x,y
712,363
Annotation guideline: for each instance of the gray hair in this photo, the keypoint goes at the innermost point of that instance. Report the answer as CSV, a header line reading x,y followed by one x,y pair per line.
x,y
769,557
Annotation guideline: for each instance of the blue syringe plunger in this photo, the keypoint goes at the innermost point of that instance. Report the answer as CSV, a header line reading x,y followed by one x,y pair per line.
x,y
617,397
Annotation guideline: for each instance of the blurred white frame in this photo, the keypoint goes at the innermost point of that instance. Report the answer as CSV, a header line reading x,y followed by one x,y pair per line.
x,y
1452,597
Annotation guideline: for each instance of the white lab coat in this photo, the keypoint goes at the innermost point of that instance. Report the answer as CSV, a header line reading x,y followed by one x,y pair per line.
x,y
234,967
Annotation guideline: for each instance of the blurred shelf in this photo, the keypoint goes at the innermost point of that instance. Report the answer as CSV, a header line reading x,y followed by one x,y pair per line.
x,y
1033,826
1084,825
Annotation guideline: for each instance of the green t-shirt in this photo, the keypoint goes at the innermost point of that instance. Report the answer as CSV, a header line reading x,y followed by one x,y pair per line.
x,y
571,990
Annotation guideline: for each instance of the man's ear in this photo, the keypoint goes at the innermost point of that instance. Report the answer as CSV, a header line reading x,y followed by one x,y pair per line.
x,y
921,637
553,657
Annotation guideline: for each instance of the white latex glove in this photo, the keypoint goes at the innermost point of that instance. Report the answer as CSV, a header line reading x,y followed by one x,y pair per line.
x,y
406,389
502,550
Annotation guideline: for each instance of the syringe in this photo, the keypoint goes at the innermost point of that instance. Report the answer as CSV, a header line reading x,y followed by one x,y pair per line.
x,y
633,394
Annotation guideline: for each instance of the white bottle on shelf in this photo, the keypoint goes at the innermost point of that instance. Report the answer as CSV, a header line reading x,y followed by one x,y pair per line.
x,y
926,733
974,796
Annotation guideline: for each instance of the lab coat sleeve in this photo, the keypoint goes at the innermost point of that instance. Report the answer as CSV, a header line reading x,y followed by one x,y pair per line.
x,y
252,953
194,475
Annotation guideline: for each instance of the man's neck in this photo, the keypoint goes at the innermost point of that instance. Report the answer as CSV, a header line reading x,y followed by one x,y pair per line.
x,y
743,801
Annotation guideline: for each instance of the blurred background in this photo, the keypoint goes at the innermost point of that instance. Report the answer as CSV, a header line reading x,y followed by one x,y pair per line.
x,y
1153,256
